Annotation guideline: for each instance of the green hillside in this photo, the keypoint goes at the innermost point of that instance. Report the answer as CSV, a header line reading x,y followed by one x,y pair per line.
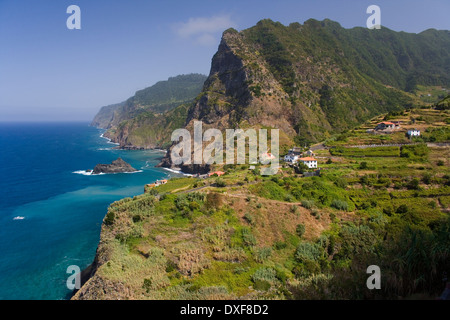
x,y
147,119
288,236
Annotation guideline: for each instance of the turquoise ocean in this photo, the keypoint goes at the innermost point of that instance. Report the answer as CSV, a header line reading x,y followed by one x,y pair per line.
x,y
50,210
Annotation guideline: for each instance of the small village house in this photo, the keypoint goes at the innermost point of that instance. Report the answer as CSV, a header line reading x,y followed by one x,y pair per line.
x,y
309,153
385,125
293,155
291,158
218,173
156,184
413,133
310,162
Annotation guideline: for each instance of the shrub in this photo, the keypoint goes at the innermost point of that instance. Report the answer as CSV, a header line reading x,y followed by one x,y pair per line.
x,y
329,161
365,180
264,274
340,205
363,165
308,252
300,230
248,238
249,218
231,255
413,184
426,178
109,219
341,183
402,209
289,198
181,202
308,204
279,245
281,275
262,254
261,285
220,183
214,200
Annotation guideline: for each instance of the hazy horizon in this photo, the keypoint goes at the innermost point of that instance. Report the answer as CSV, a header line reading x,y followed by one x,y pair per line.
x,y
49,73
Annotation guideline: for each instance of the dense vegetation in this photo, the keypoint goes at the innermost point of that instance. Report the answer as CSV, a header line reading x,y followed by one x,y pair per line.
x,y
165,95
288,236
444,104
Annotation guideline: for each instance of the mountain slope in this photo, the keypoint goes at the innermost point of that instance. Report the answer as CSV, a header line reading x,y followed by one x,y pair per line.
x,y
143,120
319,77
289,236
316,79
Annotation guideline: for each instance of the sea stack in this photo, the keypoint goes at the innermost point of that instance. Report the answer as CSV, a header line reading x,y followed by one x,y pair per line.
x,y
117,166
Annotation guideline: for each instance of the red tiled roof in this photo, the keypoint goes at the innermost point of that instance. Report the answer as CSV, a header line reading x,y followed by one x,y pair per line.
x,y
219,173
386,122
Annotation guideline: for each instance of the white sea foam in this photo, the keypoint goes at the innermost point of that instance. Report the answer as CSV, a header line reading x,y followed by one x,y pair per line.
x,y
139,171
85,173
178,171
109,140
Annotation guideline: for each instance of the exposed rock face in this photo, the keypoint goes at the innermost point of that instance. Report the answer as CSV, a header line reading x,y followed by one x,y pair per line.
x,y
146,120
117,166
104,118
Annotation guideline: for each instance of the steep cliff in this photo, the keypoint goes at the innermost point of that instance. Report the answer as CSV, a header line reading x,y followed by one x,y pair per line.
x,y
147,119
314,80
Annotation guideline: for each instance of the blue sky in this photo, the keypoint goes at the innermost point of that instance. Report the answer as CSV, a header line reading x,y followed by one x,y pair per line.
x,y
51,73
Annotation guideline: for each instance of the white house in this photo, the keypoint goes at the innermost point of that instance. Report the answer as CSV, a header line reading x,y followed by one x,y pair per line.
x,y
291,157
309,153
385,125
414,133
309,162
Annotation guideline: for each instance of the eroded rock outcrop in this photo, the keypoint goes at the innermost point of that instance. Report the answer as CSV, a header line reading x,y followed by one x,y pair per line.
x,y
117,166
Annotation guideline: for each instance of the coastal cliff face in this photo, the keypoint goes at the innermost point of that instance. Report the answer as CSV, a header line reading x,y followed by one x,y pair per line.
x,y
145,253
146,120
105,117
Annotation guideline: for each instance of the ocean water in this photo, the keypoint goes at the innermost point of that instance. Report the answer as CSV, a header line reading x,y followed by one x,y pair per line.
x,y
50,214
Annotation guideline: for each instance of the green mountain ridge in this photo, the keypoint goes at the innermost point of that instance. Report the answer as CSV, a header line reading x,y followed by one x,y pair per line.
x,y
138,121
310,81
316,79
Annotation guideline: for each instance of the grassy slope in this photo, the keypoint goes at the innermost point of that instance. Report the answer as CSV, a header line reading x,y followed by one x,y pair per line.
x,y
241,240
